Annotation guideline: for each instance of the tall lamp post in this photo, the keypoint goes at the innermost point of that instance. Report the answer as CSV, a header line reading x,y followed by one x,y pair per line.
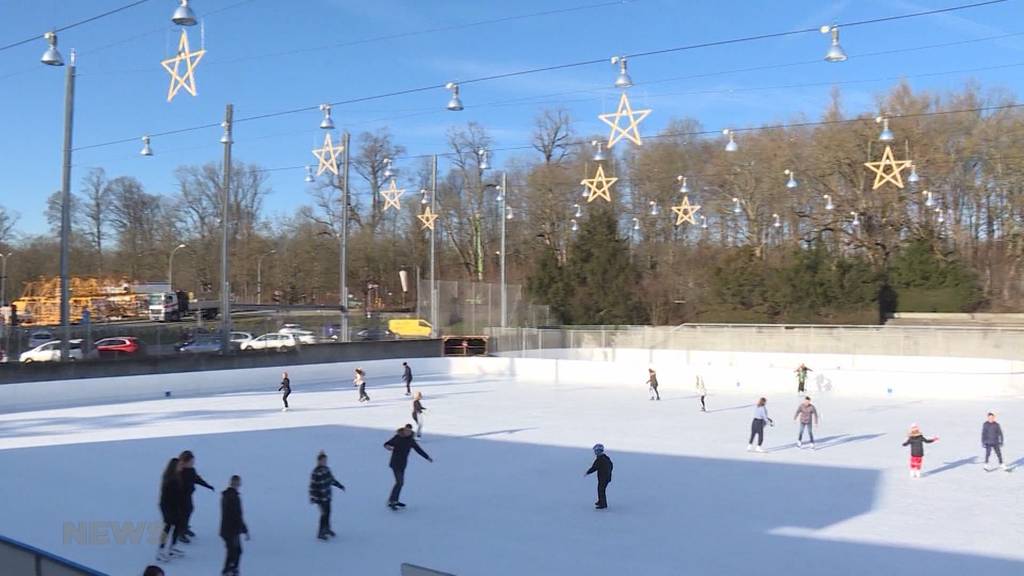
x,y
503,202
259,276
225,290
170,266
3,279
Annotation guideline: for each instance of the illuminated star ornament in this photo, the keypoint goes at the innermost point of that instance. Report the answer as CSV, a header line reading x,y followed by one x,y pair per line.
x,y
327,156
634,117
685,211
599,186
186,80
391,196
888,169
428,217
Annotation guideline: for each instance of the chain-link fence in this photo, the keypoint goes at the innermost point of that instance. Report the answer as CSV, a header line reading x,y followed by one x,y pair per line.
x,y
469,308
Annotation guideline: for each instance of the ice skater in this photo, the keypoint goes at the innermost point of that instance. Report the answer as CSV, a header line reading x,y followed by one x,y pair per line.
x,y
702,392
360,381
652,382
171,507
916,441
992,439
286,386
320,482
232,526
801,377
407,378
808,416
757,426
189,479
603,466
400,445
417,413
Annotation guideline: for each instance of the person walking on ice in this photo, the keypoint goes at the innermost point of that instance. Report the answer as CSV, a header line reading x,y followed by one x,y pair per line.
x,y
360,382
232,526
417,413
189,480
757,426
286,386
603,466
407,378
172,504
916,441
652,382
399,446
801,377
702,392
320,483
808,416
992,439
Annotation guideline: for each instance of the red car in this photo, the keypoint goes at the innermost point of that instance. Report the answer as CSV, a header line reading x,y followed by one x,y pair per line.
x,y
119,346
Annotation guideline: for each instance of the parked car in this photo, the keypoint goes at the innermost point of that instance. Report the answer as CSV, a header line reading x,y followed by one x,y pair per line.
x,y
273,341
50,352
119,346
201,345
38,337
332,332
377,333
303,336
239,338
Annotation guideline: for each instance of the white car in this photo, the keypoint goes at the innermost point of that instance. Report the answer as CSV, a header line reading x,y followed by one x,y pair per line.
x,y
239,338
272,341
303,336
50,352
40,337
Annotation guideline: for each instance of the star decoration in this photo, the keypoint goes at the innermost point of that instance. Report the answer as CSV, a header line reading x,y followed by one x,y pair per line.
x,y
172,65
893,175
599,186
392,195
685,211
427,218
632,131
328,156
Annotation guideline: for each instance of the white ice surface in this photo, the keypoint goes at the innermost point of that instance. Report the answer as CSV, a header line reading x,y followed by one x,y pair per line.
x,y
506,494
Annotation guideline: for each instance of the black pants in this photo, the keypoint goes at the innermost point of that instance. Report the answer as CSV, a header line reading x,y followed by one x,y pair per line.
x,y
325,517
234,549
285,398
172,520
703,406
362,392
757,429
186,513
602,486
655,390
988,452
408,383
800,386
396,490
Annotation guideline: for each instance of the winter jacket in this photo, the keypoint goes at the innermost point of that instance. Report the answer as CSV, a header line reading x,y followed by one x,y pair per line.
x,y
359,380
801,373
172,498
806,412
407,374
761,413
320,483
231,523
189,479
603,466
653,381
417,407
286,385
916,443
991,434
400,447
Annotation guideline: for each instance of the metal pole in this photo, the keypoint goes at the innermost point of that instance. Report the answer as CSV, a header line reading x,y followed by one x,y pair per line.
x,y
343,251
504,219
3,280
434,331
259,280
225,291
65,211
170,266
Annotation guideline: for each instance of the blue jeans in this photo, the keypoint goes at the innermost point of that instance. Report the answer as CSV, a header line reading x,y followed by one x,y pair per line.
x,y
810,431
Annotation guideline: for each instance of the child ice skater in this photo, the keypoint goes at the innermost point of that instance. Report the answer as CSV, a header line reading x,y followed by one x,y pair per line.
x,y
916,441
992,439
286,387
603,466
652,381
417,413
360,381
702,392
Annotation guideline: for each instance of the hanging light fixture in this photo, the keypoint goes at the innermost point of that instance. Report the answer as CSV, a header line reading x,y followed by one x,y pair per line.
x,y
731,146
636,223
776,221
735,205
225,138
579,210
856,219
52,56
183,15
704,222
573,225
309,174
654,208
455,103
929,202
622,80
481,155
509,214
886,134
423,196
835,51
684,188
599,155
942,218
828,202
501,194
146,150
913,178
388,172
327,123
585,193
791,184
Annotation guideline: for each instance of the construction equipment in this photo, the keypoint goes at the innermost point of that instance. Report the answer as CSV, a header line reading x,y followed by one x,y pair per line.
x,y
106,300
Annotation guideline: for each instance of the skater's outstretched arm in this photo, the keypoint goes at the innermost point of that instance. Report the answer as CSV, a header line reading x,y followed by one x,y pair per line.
x,y
201,482
416,447
592,469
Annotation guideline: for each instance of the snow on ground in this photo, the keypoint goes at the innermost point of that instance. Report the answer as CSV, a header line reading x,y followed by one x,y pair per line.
x,y
506,494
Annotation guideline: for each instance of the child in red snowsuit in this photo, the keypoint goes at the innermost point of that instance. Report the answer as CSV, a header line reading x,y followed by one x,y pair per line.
x,y
916,441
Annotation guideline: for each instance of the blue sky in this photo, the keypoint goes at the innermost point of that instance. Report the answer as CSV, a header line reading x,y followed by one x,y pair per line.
x,y
267,55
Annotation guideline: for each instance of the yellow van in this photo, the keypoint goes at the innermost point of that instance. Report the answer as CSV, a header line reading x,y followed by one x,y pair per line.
x,y
410,327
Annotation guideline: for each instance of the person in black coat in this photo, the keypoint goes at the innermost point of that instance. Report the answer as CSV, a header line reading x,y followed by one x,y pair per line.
x,y
286,386
172,507
992,439
320,483
232,526
400,445
407,378
916,441
603,466
189,479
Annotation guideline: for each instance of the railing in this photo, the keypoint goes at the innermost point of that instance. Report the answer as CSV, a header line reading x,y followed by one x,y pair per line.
x,y
19,559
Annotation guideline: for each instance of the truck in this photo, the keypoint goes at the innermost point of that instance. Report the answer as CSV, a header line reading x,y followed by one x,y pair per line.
x,y
174,306
410,327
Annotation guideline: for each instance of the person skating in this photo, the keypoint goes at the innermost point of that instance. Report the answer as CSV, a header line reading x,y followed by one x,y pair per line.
x,y
407,378
757,426
286,386
801,377
189,479
652,382
360,382
400,445
232,526
603,466
916,441
992,439
417,413
702,392
808,416
171,508
320,483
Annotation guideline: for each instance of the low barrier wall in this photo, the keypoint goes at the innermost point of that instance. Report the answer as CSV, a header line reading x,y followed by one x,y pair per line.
x,y
18,559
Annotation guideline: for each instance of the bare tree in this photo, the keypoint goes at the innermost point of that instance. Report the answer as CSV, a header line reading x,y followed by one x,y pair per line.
x,y
93,213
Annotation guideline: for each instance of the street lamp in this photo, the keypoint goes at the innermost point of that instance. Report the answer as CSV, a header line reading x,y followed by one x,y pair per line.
x,y
170,266
3,279
502,199
259,276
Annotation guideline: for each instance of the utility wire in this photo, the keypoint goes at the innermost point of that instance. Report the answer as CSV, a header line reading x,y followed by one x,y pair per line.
x,y
74,24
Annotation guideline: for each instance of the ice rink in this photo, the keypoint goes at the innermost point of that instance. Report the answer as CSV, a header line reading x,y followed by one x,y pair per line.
x,y
506,494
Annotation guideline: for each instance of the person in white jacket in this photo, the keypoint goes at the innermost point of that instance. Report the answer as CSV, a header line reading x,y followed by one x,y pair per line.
x,y
702,392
